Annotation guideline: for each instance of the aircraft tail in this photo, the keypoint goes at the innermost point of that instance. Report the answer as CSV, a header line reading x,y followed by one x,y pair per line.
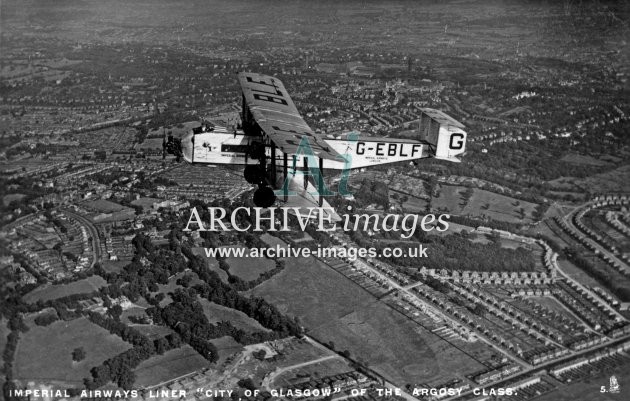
x,y
449,143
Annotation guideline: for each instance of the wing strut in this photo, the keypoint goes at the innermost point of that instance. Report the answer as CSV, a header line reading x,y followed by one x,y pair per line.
x,y
273,164
320,183
305,172
285,185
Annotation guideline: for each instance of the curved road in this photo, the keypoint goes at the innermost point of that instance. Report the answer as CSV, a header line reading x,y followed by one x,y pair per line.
x,y
96,242
569,220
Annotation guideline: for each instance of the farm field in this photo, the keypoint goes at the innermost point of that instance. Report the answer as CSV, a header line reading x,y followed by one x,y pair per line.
x,y
217,313
49,292
174,363
334,309
44,353
482,202
249,268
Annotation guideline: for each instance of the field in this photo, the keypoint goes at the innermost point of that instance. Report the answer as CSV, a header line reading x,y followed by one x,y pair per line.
x,y
582,159
10,198
170,365
610,181
226,346
103,206
44,353
152,331
4,332
482,202
217,313
49,292
249,268
412,204
114,266
333,309
146,203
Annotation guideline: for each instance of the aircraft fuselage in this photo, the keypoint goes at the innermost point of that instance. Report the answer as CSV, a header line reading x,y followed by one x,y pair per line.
x,y
221,146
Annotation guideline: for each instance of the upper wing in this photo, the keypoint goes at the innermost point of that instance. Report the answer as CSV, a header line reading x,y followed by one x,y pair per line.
x,y
269,105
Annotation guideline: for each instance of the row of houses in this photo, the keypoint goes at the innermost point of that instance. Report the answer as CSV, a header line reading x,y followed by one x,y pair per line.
x,y
498,278
582,239
559,370
495,374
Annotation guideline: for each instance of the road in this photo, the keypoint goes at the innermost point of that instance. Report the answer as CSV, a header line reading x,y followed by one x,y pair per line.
x,y
542,367
96,242
407,290
386,384
569,220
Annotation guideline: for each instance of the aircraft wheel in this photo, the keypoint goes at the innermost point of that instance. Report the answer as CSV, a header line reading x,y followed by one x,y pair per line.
x,y
264,197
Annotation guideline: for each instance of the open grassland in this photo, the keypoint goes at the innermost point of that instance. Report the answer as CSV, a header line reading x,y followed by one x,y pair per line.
x,y
114,266
483,203
610,181
172,364
49,292
334,309
249,268
217,313
45,353
152,331
227,347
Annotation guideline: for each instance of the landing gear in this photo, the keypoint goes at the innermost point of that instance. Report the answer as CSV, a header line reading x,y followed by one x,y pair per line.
x,y
264,197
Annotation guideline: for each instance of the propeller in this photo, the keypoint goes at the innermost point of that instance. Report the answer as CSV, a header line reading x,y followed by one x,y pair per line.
x,y
172,146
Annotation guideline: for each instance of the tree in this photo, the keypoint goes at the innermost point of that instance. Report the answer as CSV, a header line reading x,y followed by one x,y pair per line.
x,y
247,383
78,354
161,345
115,311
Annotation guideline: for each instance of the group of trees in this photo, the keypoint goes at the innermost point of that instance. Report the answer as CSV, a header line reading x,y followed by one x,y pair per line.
x,y
46,319
373,192
119,369
457,252
215,290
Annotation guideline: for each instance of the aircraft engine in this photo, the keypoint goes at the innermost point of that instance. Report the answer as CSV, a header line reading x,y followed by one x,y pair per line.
x,y
254,174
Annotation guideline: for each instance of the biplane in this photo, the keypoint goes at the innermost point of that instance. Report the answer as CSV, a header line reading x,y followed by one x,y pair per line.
x,y
276,146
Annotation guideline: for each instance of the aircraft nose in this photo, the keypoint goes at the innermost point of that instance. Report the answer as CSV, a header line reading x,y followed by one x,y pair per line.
x,y
187,147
